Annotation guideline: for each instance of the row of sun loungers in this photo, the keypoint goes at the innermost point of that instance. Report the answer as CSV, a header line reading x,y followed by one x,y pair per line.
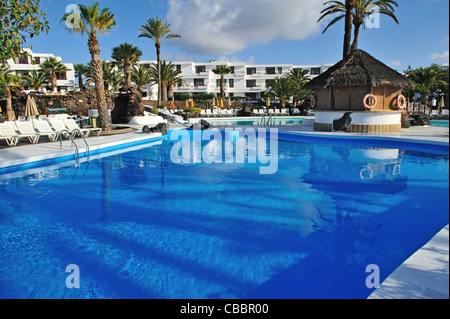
x,y
218,113
275,112
52,128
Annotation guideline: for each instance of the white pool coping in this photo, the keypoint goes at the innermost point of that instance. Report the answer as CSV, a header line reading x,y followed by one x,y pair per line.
x,y
424,275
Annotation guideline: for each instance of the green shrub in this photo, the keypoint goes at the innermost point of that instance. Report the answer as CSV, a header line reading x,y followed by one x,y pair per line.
x,y
204,97
181,96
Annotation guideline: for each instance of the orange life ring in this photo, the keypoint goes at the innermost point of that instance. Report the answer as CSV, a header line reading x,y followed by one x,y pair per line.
x,y
401,102
313,101
366,105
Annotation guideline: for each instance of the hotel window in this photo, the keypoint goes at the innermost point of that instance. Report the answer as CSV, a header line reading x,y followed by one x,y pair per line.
x,y
231,82
315,71
22,59
178,66
232,69
280,70
199,69
251,83
199,82
251,71
37,60
146,66
61,76
230,94
270,70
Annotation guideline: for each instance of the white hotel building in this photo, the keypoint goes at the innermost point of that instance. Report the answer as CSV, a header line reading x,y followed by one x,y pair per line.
x,y
245,80
22,65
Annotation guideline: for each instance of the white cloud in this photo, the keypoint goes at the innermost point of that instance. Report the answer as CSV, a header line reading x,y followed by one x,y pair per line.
x,y
440,57
223,27
395,63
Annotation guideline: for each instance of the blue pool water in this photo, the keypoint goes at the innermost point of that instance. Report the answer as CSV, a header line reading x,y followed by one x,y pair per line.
x,y
439,123
140,226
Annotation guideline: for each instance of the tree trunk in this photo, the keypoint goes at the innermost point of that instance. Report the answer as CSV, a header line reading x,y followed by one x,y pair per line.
x,y
158,58
349,5
9,111
80,81
170,92
164,92
283,103
141,88
356,35
222,87
97,72
127,71
54,83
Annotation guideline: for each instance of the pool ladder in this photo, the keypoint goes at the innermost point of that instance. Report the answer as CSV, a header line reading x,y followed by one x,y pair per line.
x,y
269,121
77,153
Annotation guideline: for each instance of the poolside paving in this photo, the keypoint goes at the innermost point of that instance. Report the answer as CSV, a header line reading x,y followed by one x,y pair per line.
x,y
425,275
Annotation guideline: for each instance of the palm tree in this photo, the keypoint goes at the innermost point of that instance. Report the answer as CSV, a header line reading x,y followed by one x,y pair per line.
x,y
346,10
115,79
51,66
36,80
299,79
365,8
359,9
141,76
94,22
427,79
222,70
80,71
126,55
158,31
168,76
8,80
281,89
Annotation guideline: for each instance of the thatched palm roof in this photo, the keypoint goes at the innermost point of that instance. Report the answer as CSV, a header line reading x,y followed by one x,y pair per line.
x,y
360,68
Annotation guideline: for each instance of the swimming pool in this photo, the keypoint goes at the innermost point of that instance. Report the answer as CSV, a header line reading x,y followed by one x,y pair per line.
x,y
140,226
439,123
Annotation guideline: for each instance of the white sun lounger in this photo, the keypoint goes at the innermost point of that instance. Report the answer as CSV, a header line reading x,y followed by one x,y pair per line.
x,y
26,128
59,126
73,126
44,128
8,134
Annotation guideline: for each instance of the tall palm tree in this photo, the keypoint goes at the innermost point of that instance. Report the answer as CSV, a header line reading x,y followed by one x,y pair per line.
x,y
158,31
36,80
126,55
80,71
175,79
51,66
141,76
365,8
8,80
95,22
222,70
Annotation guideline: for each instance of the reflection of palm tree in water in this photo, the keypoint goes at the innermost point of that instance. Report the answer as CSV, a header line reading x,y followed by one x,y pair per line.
x,y
106,188
349,255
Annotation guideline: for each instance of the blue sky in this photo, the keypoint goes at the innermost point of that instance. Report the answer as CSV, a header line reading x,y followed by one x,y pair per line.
x,y
256,31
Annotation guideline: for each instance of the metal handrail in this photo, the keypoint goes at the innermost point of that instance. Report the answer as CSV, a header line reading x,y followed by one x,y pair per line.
x,y
73,143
